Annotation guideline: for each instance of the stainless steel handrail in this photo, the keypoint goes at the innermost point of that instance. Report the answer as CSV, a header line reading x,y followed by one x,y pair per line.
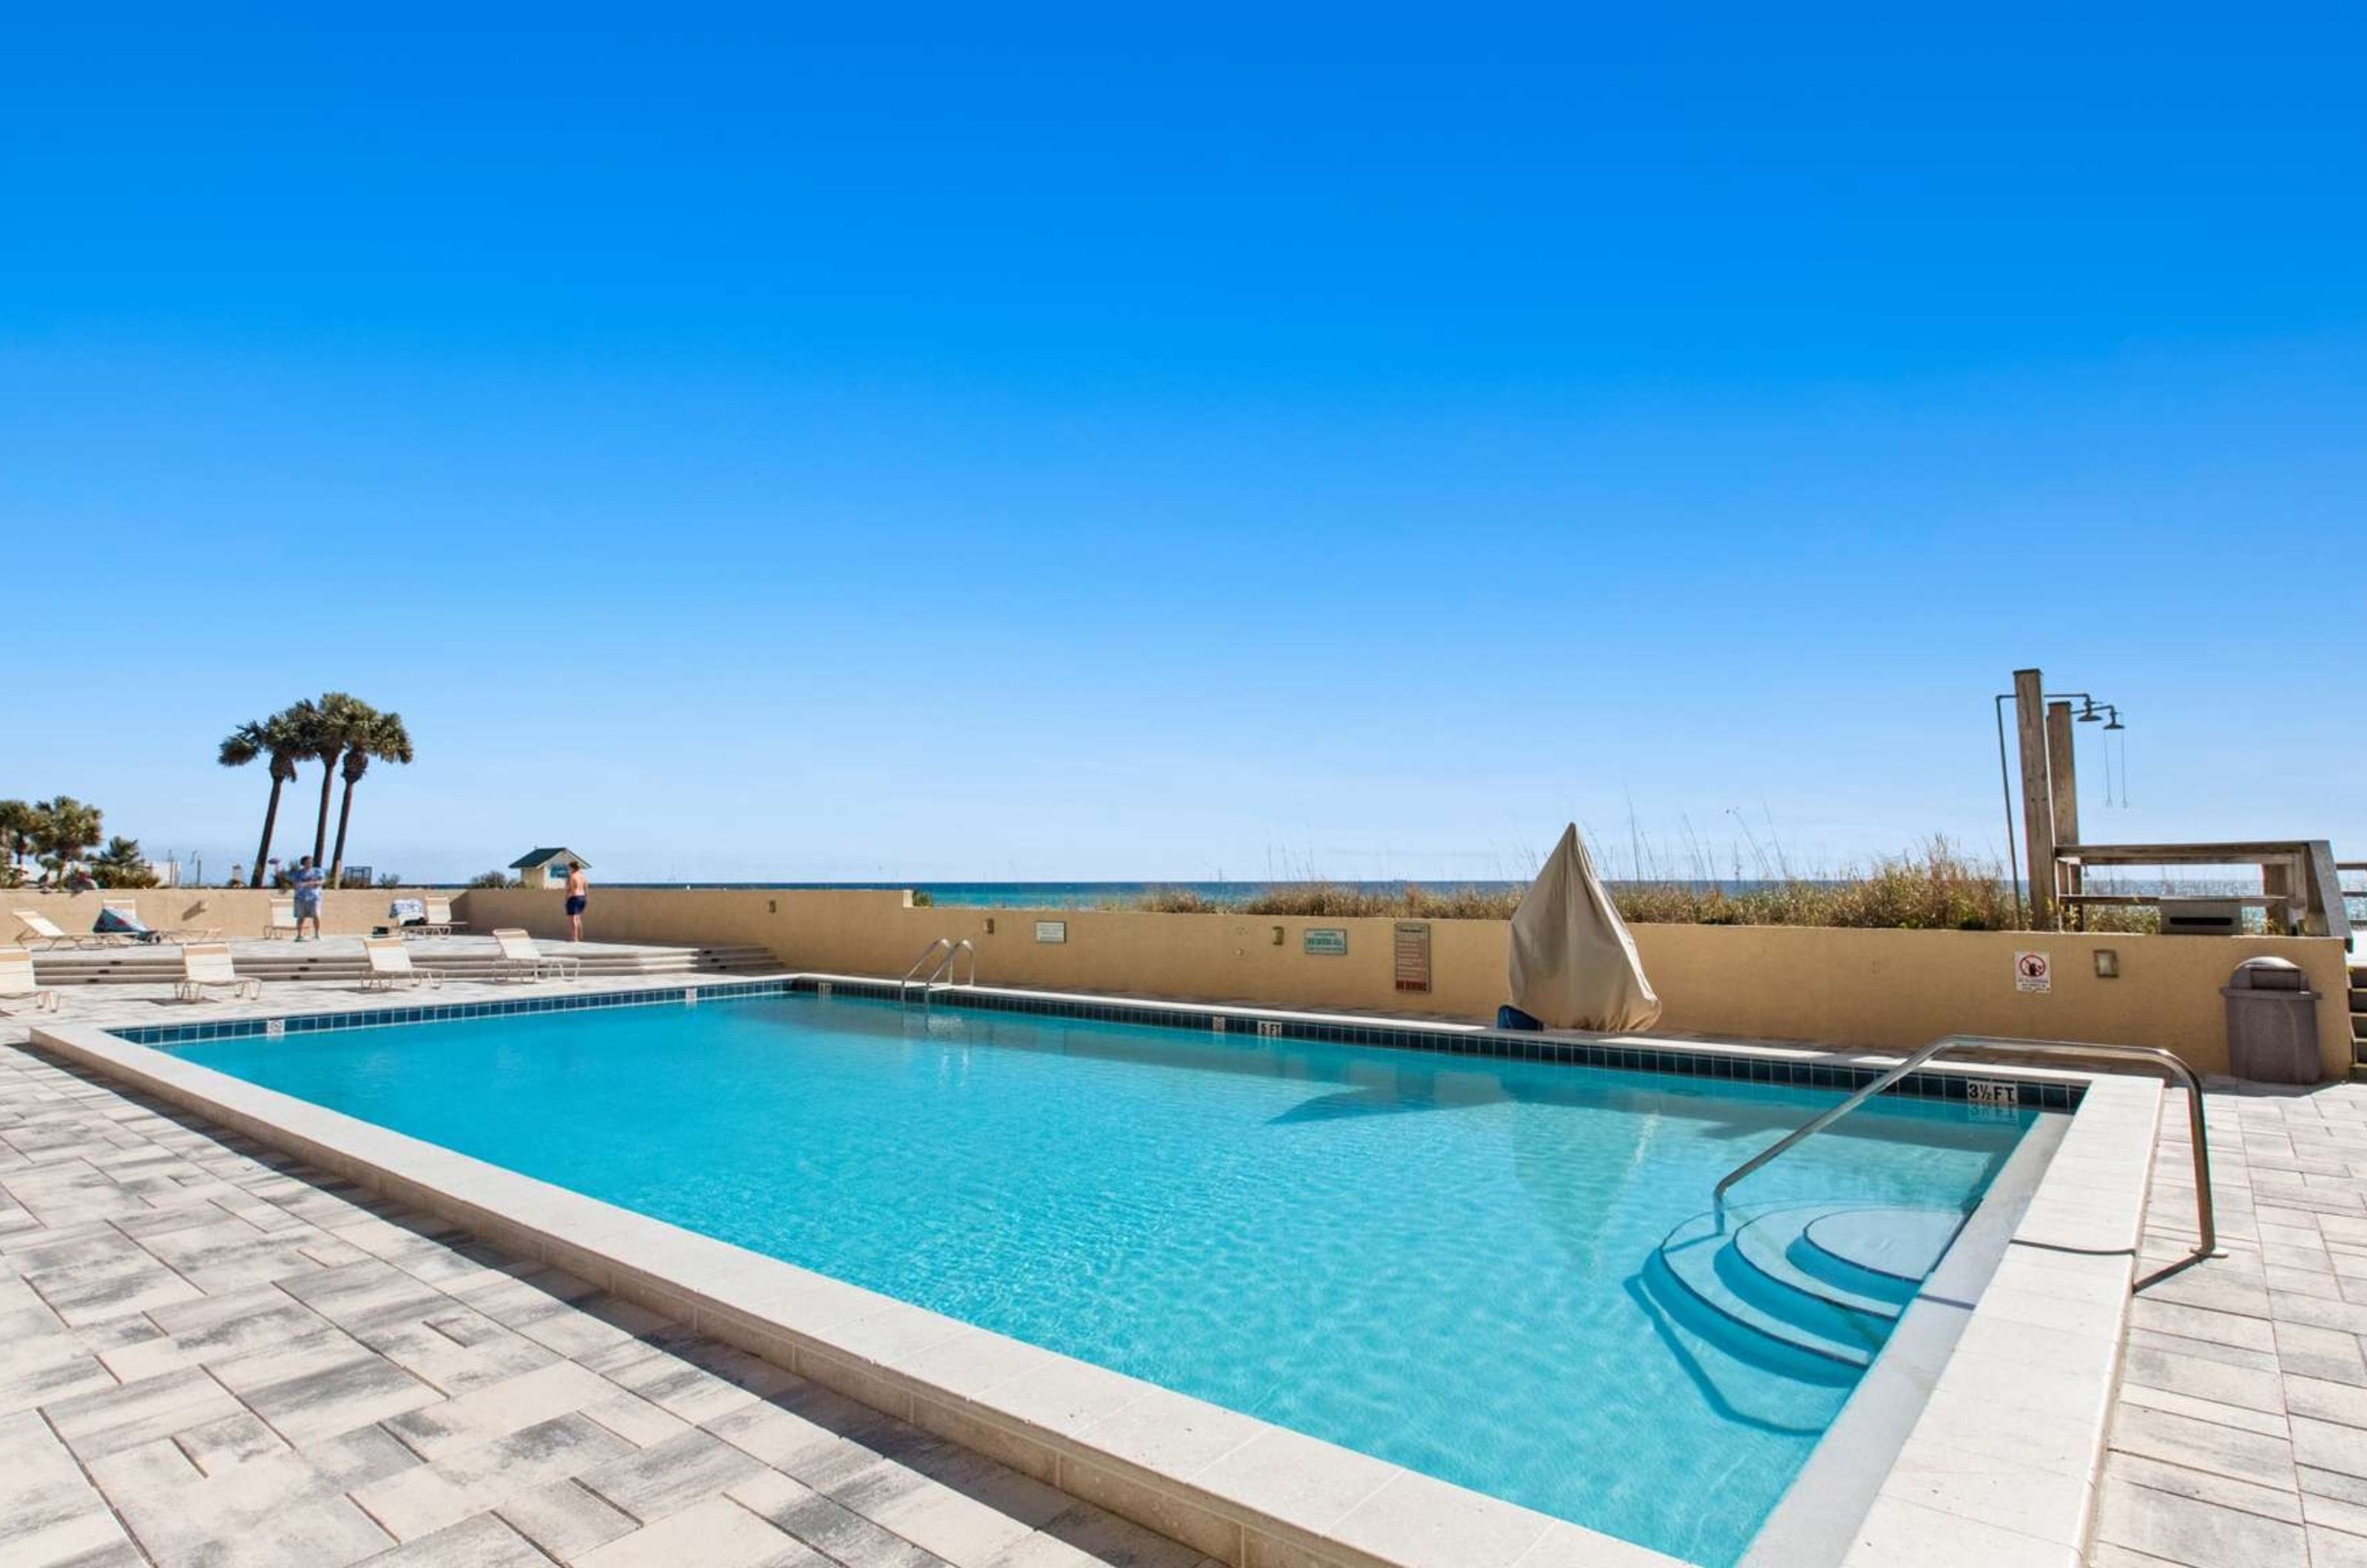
x,y
949,966
947,969
928,952
2205,1213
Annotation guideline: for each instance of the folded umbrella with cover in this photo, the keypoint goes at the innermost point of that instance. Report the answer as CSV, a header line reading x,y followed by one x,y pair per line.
x,y
1574,963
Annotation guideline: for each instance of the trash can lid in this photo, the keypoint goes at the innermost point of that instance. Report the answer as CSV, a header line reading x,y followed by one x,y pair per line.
x,y
2267,973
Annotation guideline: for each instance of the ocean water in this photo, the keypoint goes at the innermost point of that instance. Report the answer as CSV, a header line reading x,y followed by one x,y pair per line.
x,y
1434,1259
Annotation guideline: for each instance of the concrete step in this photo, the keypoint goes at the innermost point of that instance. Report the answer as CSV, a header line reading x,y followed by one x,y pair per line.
x,y
118,960
1809,1345
162,965
1776,1245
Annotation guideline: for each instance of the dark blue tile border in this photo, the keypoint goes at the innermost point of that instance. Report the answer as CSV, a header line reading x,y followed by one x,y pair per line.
x,y
380,1017
1695,1063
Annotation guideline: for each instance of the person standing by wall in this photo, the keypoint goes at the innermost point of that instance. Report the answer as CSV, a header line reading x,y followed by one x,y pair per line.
x,y
308,880
579,893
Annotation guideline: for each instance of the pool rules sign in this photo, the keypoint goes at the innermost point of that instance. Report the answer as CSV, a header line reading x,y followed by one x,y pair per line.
x,y
1410,956
2031,972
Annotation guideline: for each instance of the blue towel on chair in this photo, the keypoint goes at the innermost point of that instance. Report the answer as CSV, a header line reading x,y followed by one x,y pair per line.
x,y
115,922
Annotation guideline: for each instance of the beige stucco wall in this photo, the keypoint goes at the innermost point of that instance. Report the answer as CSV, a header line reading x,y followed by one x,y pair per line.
x,y
234,911
1876,989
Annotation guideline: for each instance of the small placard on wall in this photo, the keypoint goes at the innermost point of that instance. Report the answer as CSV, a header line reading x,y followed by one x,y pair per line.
x,y
1410,954
1051,931
2032,972
1325,942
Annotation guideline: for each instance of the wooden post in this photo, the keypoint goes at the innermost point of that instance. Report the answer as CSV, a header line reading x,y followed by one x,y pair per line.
x,y
2037,796
2328,915
2065,793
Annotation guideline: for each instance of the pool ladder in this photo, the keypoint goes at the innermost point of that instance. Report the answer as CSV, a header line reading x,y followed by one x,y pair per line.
x,y
941,959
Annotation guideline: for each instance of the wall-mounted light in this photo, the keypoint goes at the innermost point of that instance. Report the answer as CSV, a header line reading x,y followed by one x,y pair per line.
x,y
2108,963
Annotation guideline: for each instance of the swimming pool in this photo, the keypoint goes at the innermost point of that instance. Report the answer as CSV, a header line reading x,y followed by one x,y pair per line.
x,y
1492,1271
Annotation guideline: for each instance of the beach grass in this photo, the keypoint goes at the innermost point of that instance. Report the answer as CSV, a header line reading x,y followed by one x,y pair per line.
x,y
1932,887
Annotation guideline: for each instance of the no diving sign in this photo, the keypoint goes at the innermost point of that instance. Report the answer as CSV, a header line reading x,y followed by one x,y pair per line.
x,y
2031,972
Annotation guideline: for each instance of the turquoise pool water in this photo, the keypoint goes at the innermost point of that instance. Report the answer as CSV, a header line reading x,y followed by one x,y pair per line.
x,y
1436,1259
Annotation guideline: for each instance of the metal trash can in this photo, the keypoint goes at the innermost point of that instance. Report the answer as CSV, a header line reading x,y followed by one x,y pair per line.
x,y
2272,1022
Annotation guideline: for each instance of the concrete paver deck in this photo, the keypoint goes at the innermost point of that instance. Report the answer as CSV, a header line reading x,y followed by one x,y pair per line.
x,y
2239,1438
211,1354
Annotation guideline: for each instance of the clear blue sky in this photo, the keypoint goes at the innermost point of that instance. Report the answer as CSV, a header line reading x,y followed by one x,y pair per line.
x,y
853,443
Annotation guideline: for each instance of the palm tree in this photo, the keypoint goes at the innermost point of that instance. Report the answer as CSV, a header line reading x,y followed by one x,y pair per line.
x,y
122,865
280,738
17,823
372,735
65,828
328,726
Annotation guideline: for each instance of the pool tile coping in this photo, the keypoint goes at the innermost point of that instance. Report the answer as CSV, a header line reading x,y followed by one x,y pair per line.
x,y
1993,1461
2003,1463
1800,1066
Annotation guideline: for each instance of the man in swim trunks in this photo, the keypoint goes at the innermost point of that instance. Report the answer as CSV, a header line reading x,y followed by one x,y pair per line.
x,y
308,880
579,893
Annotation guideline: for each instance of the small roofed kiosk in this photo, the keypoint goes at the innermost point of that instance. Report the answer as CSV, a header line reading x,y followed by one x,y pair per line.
x,y
546,868
2301,890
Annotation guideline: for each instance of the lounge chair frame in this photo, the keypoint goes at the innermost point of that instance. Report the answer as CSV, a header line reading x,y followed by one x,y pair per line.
x,y
19,984
220,973
40,928
436,924
391,966
521,960
173,936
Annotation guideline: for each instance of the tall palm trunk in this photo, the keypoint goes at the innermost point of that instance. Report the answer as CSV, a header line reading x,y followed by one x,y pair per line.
x,y
270,816
321,827
345,815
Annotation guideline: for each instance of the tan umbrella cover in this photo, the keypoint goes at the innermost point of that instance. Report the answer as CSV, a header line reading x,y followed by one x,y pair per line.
x,y
1574,966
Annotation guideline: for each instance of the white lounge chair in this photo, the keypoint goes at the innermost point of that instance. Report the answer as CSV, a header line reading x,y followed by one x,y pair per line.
x,y
439,921
128,909
283,918
521,960
206,967
17,982
40,928
391,966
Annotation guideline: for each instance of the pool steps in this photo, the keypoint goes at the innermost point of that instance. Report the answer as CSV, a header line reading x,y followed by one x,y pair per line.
x,y
1807,1291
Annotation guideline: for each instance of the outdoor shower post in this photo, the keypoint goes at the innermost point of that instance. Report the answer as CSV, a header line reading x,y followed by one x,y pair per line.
x,y
2037,794
2063,777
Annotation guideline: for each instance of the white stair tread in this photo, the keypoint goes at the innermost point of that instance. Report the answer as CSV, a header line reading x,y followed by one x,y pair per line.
x,y
1904,1244
1765,1242
1690,1255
